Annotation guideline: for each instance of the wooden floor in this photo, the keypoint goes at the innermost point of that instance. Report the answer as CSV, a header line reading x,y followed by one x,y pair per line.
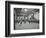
x,y
27,26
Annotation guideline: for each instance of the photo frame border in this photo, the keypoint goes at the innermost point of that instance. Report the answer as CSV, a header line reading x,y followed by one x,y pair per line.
x,y
7,18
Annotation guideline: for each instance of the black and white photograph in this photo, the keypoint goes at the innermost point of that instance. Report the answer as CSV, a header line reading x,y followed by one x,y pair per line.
x,y
24,18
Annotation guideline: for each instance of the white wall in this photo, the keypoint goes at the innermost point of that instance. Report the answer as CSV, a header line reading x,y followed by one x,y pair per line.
x,y
2,19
